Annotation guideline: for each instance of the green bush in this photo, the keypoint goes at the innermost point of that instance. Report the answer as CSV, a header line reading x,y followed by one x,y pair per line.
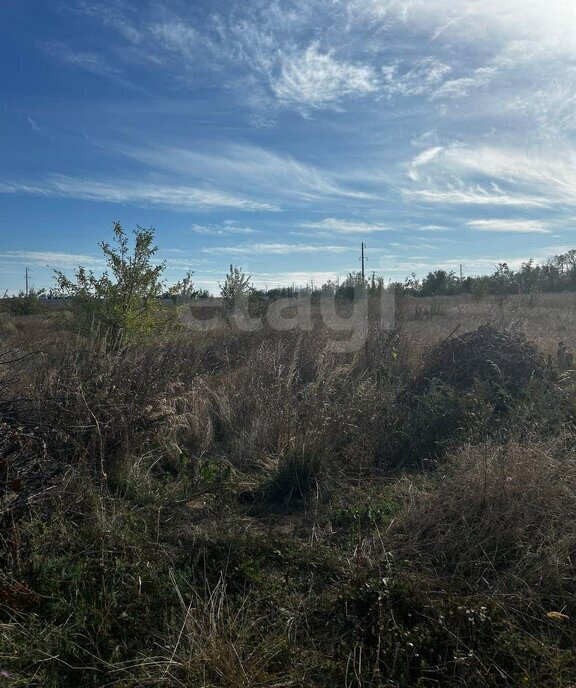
x,y
125,299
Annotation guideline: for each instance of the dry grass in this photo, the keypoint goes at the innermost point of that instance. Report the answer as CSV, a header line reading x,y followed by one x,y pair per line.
x,y
236,510
497,517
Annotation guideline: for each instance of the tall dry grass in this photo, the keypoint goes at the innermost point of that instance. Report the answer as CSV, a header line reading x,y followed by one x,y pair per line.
x,y
248,509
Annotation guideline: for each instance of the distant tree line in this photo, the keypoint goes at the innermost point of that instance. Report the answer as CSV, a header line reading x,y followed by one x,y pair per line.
x,y
556,274
127,296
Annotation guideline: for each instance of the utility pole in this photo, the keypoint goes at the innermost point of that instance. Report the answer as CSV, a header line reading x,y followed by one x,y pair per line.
x,y
363,271
460,271
27,282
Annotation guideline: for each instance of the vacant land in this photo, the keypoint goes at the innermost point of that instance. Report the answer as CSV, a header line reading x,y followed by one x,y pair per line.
x,y
239,510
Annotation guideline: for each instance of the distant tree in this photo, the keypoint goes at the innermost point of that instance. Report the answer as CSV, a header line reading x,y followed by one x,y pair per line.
x,y
352,285
528,277
184,289
478,287
503,281
26,304
439,283
124,299
235,286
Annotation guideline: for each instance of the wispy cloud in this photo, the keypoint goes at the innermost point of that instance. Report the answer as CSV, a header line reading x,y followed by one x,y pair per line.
x,y
51,259
280,60
510,226
229,227
461,21
499,176
434,228
118,15
476,196
91,62
276,249
121,191
177,36
423,159
250,169
33,125
314,79
346,226
422,79
458,88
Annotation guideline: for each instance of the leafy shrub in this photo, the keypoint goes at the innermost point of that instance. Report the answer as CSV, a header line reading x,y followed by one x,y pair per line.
x,y
125,301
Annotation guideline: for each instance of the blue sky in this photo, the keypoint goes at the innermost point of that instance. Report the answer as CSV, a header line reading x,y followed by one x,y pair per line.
x,y
279,135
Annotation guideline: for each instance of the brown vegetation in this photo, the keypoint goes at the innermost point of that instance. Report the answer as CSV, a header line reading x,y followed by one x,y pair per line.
x,y
234,509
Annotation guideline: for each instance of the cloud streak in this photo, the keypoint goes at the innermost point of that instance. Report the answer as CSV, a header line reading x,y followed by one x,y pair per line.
x,y
276,249
52,259
246,168
475,196
510,226
173,197
227,228
346,226
89,61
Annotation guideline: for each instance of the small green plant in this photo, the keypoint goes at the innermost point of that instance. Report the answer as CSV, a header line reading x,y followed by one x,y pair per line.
x,y
124,299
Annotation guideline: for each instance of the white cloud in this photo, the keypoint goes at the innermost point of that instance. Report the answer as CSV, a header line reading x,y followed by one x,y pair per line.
x,y
245,169
19,188
177,36
91,62
113,16
491,20
424,78
276,249
458,88
298,278
347,226
121,191
476,196
315,79
426,156
423,159
510,226
276,63
419,246
510,176
52,259
220,230
33,125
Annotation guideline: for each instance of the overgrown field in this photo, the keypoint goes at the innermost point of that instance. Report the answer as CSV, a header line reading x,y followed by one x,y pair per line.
x,y
243,510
